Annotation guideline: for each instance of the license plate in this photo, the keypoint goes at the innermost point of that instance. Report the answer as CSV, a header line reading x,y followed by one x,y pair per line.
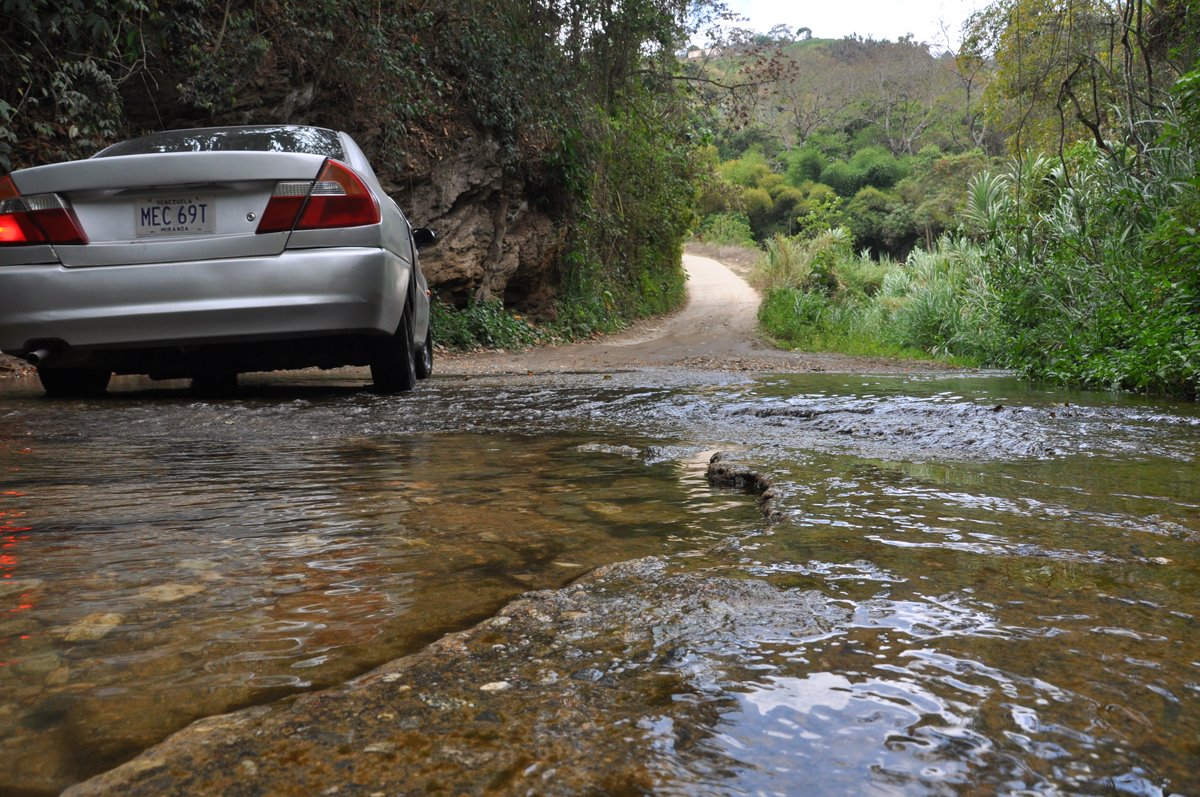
x,y
177,215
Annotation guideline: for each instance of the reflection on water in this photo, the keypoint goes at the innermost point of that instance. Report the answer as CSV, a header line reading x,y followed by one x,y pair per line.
x,y
864,737
148,581
1008,598
1010,628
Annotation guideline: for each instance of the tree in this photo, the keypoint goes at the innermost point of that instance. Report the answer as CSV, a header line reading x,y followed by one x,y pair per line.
x,y
900,91
781,34
817,93
1061,68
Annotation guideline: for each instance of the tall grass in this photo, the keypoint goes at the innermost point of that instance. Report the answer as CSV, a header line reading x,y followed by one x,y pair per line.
x,y
820,295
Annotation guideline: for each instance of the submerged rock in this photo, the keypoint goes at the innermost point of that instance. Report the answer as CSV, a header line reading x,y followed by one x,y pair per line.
x,y
96,625
722,473
169,593
556,735
19,585
603,448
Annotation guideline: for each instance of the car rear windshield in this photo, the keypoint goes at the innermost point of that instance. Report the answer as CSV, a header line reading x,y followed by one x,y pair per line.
x,y
311,140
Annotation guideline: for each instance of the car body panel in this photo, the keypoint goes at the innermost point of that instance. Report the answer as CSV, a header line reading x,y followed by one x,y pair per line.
x,y
170,250
108,219
166,169
105,195
22,255
307,292
395,237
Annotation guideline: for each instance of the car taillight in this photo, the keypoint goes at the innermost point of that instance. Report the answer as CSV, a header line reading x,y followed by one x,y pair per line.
x,y
284,207
37,219
338,198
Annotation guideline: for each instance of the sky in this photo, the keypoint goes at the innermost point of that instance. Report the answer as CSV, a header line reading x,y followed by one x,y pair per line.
x,y
881,19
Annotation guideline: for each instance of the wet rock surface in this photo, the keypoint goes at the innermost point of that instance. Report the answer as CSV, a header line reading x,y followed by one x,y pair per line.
x,y
13,366
723,473
343,553
603,687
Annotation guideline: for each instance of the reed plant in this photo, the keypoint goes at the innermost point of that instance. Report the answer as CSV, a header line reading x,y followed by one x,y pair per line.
x,y
820,294
1094,269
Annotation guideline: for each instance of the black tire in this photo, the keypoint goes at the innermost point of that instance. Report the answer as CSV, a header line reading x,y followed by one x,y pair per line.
x,y
74,381
218,384
393,361
425,357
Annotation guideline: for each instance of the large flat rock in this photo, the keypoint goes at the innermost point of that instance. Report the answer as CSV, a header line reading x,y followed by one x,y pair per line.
x,y
598,688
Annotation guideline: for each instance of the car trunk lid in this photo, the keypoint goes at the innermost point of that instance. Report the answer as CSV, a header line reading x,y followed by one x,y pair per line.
x,y
170,207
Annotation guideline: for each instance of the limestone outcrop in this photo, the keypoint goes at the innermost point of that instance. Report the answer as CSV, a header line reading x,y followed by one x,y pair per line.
x,y
493,243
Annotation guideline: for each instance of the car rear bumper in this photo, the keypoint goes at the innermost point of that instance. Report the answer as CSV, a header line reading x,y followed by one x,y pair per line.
x,y
299,293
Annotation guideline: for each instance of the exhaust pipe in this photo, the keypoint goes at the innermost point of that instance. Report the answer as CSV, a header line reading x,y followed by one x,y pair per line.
x,y
38,357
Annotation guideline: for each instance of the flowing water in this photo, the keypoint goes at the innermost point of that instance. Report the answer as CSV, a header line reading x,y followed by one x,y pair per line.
x,y
1000,584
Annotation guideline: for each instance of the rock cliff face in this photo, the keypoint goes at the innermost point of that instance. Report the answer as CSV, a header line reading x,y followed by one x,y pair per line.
x,y
492,242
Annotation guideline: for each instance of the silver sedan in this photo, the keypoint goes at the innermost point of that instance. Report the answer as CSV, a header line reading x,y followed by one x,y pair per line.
x,y
207,253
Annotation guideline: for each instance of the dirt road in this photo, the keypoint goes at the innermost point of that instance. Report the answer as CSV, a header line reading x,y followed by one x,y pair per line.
x,y
716,330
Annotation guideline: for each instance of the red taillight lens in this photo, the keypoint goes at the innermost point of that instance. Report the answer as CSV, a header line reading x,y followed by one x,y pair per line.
x,y
16,226
286,202
56,218
44,218
17,229
338,199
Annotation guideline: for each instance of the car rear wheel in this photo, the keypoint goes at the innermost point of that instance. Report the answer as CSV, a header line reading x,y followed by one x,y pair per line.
x,y
74,381
393,362
425,357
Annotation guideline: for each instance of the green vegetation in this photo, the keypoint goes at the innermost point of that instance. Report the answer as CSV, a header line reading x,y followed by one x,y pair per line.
x,y
893,227
1082,272
890,203
820,295
891,129
482,324
1095,267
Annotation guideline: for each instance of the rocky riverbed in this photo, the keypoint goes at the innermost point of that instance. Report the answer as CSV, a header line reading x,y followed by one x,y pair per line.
x,y
613,577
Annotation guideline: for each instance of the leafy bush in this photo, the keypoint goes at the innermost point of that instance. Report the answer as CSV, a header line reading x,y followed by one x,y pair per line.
x,y
625,254
1094,266
867,216
805,165
759,206
748,170
795,262
485,324
842,178
819,294
877,167
793,315
727,228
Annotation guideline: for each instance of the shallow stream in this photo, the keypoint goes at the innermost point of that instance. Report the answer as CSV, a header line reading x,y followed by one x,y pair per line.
x,y
1000,585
